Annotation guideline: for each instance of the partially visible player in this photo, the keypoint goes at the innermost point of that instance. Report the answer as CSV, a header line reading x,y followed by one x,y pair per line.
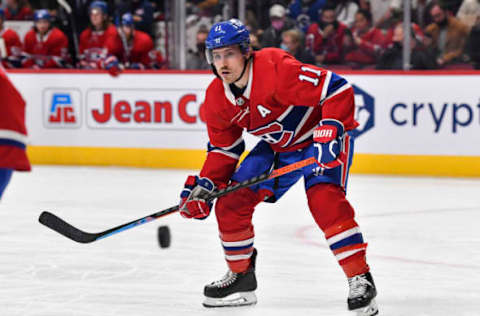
x,y
13,133
10,45
136,46
298,111
94,53
45,46
17,10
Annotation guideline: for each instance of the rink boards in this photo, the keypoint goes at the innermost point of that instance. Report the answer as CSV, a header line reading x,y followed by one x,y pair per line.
x,y
422,123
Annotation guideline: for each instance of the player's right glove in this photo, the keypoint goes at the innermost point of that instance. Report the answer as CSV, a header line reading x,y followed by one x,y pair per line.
x,y
328,147
193,203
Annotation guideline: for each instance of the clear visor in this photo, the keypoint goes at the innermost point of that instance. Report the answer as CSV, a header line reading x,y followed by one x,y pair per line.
x,y
218,55
209,56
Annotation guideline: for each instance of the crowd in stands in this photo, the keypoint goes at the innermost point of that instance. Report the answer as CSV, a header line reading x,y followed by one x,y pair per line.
x,y
111,37
363,34
355,34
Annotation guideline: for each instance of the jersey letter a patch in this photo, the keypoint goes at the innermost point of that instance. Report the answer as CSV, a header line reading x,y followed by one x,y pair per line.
x,y
263,110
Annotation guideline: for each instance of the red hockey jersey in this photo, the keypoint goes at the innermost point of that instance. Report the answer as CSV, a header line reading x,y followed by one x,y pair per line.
x,y
24,13
282,104
93,44
49,51
13,133
11,41
331,47
137,50
372,44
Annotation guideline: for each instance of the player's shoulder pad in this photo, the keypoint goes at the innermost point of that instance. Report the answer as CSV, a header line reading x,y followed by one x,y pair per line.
x,y
271,54
215,93
267,60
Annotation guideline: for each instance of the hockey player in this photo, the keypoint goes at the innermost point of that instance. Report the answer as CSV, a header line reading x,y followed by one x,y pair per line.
x,y
94,53
298,111
10,45
45,46
13,133
137,47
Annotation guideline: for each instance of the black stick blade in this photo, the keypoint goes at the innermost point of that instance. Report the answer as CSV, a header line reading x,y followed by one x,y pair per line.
x,y
60,226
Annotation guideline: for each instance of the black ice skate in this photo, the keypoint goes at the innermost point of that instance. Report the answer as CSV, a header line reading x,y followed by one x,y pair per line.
x,y
234,289
361,297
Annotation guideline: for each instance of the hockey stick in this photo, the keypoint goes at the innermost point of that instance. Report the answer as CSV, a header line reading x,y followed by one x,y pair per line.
x,y
60,226
68,10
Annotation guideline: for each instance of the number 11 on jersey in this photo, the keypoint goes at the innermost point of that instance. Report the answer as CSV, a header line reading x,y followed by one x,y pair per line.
x,y
312,80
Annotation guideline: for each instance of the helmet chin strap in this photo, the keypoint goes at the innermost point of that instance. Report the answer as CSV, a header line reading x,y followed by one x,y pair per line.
x,y
244,68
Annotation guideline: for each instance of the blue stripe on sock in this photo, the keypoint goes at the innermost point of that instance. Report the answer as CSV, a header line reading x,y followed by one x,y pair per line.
x,y
11,142
354,239
238,248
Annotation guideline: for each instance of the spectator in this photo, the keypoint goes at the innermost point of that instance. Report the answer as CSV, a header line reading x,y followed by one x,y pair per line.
x,y
345,10
10,45
365,5
292,43
137,46
272,37
365,43
417,31
474,46
450,5
18,10
469,13
421,13
325,38
142,11
254,41
94,39
392,58
45,46
193,24
260,11
383,12
448,36
196,59
310,8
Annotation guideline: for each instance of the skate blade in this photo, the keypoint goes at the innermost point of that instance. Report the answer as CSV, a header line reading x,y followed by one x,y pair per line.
x,y
232,300
369,310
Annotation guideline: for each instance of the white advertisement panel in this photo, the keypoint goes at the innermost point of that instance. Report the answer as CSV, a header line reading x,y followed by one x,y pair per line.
x,y
418,114
398,114
131,111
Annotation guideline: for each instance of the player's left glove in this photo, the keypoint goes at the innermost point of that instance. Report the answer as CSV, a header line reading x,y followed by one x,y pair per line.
x,y
193,203
112,64
328,147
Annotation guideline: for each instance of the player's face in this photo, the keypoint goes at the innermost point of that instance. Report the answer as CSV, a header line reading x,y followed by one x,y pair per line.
x,y
229,63
96,17
127,30
42,26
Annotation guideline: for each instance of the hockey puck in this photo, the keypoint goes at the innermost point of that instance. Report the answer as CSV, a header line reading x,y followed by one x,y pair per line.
x,y
164,237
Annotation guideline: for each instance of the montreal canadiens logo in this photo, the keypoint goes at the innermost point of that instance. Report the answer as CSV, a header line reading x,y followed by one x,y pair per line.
x,y
364,111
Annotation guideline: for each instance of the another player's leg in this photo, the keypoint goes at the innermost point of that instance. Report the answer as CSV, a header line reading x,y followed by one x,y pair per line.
x,y
335,216
234,216
5,175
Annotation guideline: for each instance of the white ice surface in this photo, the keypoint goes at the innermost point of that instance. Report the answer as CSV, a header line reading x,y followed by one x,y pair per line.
x,y
423,235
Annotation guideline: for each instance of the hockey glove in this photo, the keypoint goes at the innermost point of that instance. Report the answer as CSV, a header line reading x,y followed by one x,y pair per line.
x,y
112,65
328,146
193,202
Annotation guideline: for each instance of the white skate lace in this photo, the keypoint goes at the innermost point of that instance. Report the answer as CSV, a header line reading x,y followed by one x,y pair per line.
x,y
227,279
358,286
